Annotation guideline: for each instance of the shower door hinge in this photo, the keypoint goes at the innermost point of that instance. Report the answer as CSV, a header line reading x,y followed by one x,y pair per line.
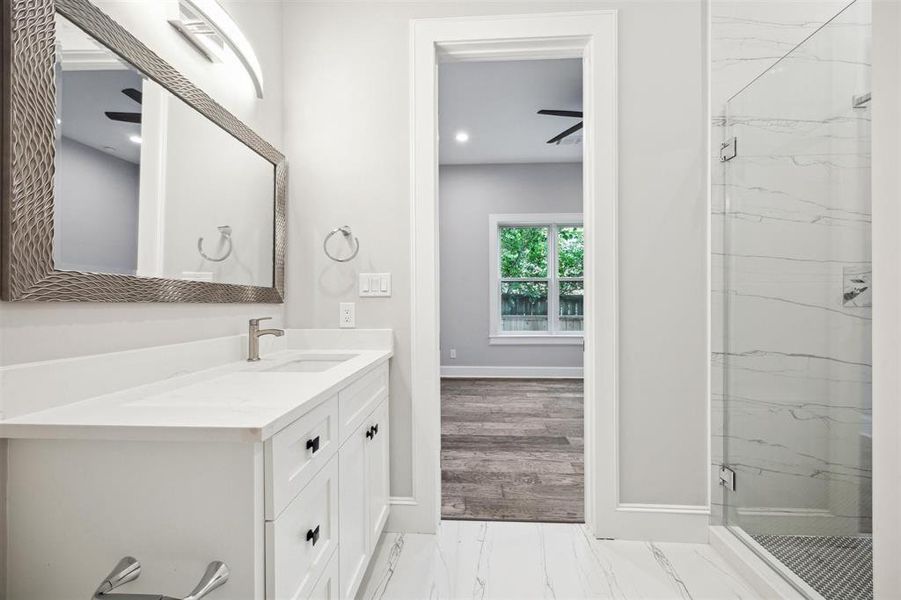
x,y
727,478
729,149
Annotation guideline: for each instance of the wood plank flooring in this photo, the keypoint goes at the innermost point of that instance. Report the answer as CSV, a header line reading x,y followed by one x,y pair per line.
x,y
512,449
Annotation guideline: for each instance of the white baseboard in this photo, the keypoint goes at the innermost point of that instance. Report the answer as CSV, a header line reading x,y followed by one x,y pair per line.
x,y
654,523
409,516
513,372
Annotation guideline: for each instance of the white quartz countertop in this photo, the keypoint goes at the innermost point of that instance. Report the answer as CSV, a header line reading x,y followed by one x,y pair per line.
x,y
235,402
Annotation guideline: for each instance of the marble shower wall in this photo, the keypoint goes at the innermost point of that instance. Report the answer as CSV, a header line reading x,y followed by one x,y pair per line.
x,y
796,363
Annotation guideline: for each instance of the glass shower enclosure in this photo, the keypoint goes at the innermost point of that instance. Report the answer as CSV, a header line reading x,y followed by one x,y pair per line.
x,y
796,360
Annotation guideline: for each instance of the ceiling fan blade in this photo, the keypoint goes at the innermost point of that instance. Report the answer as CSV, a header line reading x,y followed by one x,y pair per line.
x,y
134,94
561,113
559,137
125,117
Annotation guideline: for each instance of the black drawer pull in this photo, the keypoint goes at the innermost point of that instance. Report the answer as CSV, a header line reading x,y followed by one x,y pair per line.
x,y
369,433
313,444
375,428
313,535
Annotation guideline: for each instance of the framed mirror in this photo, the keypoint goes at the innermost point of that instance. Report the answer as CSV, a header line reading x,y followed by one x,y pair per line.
x,y
121,180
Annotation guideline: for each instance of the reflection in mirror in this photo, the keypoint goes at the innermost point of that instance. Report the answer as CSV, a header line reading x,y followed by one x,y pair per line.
x,y
145,185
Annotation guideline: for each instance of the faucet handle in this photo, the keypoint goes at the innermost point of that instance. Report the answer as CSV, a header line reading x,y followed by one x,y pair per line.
x,y
216,575
127,569
258,319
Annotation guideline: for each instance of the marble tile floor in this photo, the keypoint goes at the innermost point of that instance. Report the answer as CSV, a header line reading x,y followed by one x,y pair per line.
x,y
481,560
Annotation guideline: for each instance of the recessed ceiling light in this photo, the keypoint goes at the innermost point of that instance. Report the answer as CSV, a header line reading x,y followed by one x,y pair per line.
x,y
136,139
462,137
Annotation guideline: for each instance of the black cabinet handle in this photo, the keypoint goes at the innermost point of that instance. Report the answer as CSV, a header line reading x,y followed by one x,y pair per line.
x,y
375,429
313,535
313,444
369,433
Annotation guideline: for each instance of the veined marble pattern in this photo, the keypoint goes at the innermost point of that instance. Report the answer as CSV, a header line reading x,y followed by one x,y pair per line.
x,y
482,560
748,36
792,368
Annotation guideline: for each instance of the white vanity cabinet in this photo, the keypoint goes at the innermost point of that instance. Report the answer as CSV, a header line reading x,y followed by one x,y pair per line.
x,y
363,505
327,493
293,501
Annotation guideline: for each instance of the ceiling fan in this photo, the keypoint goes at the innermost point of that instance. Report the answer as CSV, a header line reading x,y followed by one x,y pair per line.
x,y
577,114
128,117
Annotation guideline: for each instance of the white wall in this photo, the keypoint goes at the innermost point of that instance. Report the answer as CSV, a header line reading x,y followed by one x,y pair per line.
x,y
348,139
468,194
886,253
30,332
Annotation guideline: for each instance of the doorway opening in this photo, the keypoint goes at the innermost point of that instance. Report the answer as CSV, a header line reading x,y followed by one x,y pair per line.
x,y
512,281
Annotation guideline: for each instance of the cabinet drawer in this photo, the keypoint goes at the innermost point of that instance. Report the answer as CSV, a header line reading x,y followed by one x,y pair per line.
x,y
300,542
357,401
296,453
327,586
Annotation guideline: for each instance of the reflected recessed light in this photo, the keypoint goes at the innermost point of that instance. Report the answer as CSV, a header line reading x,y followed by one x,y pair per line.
x,y
462,137
136,139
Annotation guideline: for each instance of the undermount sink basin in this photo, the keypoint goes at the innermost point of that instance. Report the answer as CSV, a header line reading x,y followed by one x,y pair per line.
x,y
312,363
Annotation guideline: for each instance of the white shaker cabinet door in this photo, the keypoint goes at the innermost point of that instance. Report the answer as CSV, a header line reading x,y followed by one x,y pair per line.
x,y
377,473
353,511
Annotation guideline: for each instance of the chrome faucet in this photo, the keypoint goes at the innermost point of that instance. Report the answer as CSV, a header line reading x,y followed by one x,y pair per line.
x,y
129,569
253,337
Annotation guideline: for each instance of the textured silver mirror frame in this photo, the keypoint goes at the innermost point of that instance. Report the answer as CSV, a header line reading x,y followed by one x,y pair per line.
x,y
26,177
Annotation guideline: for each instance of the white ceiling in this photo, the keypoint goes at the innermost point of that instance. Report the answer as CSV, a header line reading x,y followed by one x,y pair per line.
x,y
496,103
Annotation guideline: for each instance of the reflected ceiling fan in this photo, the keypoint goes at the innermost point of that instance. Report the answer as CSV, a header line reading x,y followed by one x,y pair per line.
x,y
128,117
576,114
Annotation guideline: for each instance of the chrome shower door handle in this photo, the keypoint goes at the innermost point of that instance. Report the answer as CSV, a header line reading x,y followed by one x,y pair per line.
x,y
215,576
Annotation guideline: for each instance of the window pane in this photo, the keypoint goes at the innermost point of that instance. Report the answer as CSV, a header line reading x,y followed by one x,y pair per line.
x,y
572,305
524,306
523,251
570,245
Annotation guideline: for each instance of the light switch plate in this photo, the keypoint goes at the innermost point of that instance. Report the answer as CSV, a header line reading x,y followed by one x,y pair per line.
x,y
375,285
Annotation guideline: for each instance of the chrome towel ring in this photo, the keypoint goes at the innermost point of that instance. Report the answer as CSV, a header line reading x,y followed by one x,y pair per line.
x,y
348,235
226,232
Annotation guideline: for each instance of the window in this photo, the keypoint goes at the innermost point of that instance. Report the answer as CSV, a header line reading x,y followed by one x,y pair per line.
x,y
537,279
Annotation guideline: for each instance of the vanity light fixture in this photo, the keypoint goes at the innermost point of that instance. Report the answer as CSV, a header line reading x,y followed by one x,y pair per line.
x,y
136,139
209,28
461,137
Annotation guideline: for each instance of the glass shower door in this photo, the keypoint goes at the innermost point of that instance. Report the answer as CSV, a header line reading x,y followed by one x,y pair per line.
x,y
797,276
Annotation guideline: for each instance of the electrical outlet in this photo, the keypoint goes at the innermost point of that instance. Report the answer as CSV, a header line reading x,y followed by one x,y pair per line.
x,y
453,353
347,319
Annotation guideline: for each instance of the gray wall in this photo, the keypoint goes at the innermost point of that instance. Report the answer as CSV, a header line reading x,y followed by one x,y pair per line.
x,y
95,210
352,59
468,194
